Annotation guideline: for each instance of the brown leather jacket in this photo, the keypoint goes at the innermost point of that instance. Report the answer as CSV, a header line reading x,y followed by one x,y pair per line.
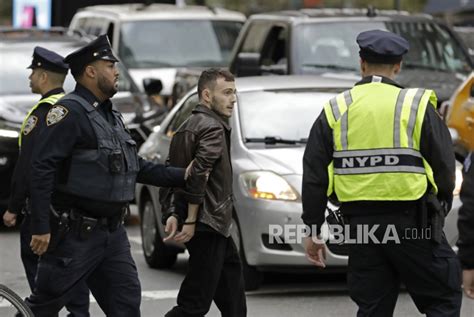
x,y
205,138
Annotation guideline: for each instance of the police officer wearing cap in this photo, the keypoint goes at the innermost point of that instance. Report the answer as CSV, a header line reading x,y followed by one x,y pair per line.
x,y
47,78
83,176
466,226
380,149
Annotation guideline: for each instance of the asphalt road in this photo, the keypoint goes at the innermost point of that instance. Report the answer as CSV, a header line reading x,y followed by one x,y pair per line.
x,y
281,294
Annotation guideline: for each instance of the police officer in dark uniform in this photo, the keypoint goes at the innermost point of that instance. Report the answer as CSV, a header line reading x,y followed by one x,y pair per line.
x,y
47,78
381,151
466,227
82,178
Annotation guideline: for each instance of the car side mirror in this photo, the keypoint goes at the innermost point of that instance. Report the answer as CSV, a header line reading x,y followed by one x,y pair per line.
x,y
152,86
247,64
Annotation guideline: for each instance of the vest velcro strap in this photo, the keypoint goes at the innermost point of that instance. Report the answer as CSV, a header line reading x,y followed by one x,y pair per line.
x,y
378,161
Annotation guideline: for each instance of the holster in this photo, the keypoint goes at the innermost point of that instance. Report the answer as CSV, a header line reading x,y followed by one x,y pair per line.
x,y
436,215
59,224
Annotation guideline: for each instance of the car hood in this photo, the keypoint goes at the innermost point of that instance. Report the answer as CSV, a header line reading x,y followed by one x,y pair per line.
x,y
14,108
443,83
281,160
166,75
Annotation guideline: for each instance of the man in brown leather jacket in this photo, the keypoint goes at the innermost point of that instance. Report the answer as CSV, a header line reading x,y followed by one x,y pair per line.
x,y
215,270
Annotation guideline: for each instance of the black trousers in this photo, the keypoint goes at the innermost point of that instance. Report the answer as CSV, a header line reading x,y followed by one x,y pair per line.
x,y
431,272
214,273
78,306
103,261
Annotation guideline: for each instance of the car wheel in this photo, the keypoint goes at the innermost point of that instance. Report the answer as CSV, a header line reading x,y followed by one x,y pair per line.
x,y
253,278
157,254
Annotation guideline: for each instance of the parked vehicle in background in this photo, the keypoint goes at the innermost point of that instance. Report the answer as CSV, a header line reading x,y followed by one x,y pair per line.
x,y
460,118
322,41
270,124
157,40
466,33
16,99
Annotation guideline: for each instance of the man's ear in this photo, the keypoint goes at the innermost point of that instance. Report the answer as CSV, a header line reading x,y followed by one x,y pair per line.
x,y
397,67
90,71
206,95
363,66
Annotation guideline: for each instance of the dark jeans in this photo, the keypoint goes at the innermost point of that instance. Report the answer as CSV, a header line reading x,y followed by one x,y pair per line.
x,y
103,261
78,306
214,273
431,272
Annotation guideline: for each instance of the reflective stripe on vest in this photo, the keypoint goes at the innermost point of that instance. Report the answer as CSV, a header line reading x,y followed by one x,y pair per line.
x,y
376,146
51,100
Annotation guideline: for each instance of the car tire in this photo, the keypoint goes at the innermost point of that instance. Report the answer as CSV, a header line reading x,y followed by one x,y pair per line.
x,y
253,278
157,254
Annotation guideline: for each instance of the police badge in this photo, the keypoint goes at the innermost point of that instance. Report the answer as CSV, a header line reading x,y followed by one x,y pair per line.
x,y
56,114
30,125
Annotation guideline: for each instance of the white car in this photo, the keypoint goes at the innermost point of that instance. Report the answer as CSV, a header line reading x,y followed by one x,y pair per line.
x,y
158,40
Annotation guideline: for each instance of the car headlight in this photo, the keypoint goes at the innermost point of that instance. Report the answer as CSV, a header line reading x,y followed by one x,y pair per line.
x,y
8,131
267,185
457,187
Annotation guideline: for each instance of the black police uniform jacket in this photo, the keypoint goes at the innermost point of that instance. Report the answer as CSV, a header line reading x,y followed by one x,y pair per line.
x,y
435,146
466,216
65,146
21,174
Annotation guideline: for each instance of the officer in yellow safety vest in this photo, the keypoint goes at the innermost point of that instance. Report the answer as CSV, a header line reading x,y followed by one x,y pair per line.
x,y
380,150
48,72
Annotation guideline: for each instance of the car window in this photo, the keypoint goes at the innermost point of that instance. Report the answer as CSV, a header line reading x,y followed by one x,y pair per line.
x,y
255,37
274,47
279,121
182,114
177,43
332,45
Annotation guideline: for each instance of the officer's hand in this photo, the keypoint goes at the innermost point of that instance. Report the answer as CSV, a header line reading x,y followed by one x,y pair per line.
x,y
9,219
468,283
186,234
39,243
171,228
315,251
188,170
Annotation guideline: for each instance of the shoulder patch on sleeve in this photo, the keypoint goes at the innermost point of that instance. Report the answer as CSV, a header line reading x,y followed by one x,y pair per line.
x,y
30,124
56,114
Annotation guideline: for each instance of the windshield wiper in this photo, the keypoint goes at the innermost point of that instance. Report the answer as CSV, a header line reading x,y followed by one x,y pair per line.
x,y
274,140
421,66
330,66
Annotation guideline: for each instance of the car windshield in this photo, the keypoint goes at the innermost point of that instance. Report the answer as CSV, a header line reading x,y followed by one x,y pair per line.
x,y
332,45
174,43
14,75
280,116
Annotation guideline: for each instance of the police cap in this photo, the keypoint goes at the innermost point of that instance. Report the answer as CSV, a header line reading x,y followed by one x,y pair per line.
x,y
98,49
46,59
381,47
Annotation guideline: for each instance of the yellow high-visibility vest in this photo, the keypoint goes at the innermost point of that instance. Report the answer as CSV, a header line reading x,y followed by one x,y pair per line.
x,y
376,133
51,100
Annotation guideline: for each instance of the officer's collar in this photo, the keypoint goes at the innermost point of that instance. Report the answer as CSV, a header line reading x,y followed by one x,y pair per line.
x,y
87,95
378,79
54,91
204,109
